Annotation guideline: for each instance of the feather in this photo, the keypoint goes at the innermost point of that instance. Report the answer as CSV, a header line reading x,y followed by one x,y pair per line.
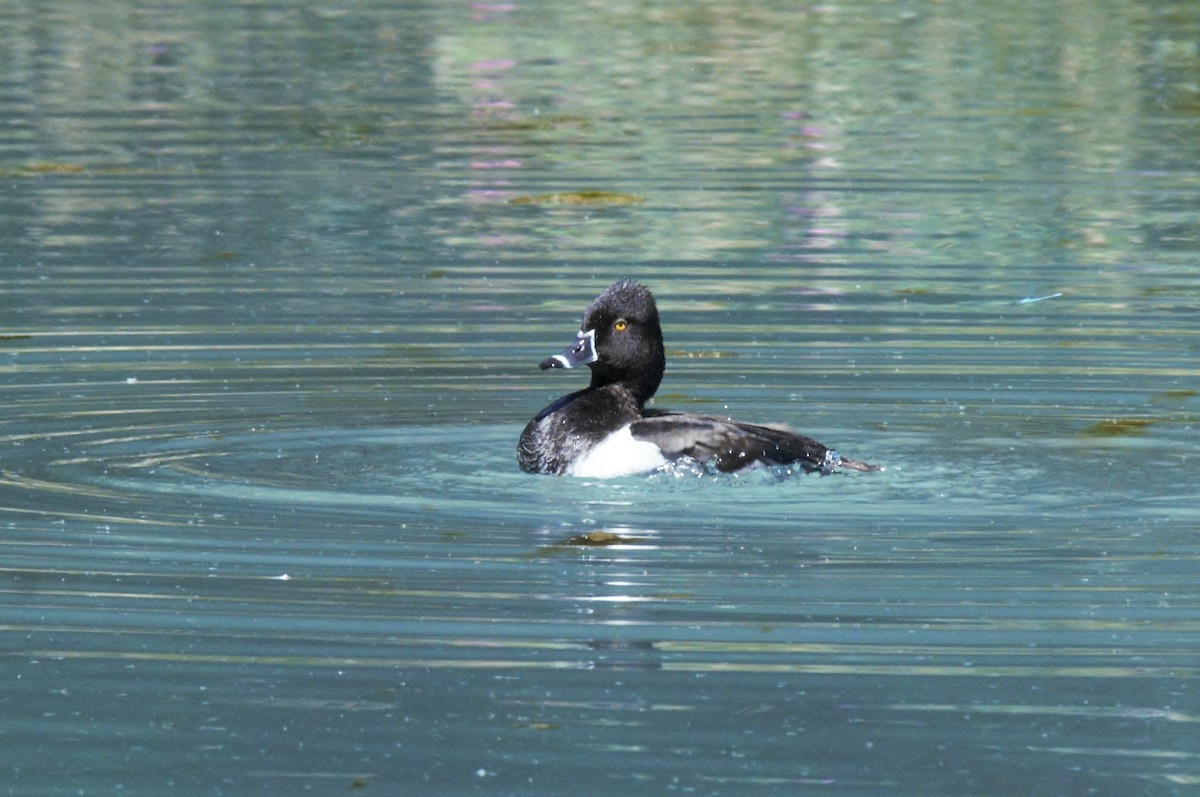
x,y
732,445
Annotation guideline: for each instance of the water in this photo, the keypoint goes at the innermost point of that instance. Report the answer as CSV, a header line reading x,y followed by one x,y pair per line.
x,y
275,282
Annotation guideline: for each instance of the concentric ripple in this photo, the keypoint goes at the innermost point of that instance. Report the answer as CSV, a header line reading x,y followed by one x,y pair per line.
x,y
162,472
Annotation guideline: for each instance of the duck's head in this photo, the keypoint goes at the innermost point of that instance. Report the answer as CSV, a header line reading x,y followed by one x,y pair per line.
x,y
620,340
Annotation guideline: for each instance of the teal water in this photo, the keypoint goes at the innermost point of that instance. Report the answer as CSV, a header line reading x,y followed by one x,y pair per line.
x,y
275,283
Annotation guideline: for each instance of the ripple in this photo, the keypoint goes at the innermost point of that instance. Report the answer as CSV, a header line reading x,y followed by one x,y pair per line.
x,y
351,469
156,471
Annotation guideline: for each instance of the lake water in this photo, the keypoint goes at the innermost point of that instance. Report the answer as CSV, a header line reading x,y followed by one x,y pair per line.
x,y
276,279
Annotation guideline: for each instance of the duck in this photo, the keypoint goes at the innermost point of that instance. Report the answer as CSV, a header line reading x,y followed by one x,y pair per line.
x,y
606,430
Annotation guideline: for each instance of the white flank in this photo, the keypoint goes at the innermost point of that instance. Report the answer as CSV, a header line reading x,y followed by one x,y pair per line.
x,y
619,454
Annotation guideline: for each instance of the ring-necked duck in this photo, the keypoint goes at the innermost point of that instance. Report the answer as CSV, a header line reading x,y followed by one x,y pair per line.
x,y
605,429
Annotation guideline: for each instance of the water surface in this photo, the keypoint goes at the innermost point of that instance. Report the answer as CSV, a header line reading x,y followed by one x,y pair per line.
x,y
275,282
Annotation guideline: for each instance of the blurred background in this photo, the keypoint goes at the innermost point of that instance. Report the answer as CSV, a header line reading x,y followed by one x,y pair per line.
x,y
274,279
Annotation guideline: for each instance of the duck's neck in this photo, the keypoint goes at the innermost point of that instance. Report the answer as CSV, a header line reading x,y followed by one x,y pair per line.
x,y
640,386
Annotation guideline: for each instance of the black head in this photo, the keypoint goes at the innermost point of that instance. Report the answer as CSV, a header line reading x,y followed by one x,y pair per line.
x,y
620,340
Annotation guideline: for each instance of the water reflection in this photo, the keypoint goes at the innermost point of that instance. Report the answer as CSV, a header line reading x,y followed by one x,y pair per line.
x,y
275,284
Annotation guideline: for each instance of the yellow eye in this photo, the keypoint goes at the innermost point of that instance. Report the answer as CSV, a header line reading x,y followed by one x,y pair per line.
x,y
620,324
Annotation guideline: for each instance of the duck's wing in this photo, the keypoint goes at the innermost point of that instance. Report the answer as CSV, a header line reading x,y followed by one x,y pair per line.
x,y
731,445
